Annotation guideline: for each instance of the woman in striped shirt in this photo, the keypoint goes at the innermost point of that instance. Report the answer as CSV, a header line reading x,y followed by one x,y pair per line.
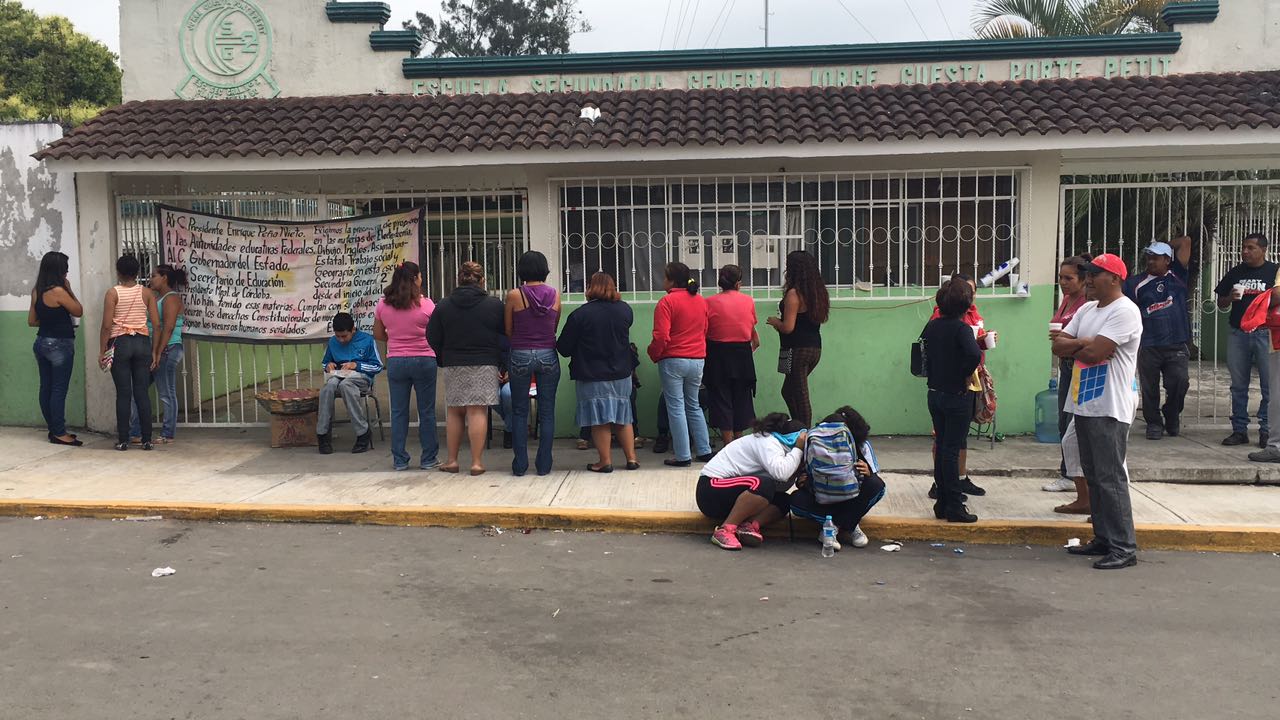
x,y
127,308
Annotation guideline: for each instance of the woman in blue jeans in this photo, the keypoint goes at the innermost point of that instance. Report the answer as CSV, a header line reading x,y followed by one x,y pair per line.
x,y
532,317
400,320
166,283
52,307
679,348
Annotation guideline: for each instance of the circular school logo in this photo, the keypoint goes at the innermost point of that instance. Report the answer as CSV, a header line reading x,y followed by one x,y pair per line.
x,y
226,46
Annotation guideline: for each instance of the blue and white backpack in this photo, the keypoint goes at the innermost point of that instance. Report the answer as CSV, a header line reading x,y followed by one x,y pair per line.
x,y
829,456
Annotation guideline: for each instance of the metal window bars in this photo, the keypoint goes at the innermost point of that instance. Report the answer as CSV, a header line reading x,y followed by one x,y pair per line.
x,y
217,380
877,235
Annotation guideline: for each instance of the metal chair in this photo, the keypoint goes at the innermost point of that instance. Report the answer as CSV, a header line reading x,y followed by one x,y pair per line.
x,y
366,396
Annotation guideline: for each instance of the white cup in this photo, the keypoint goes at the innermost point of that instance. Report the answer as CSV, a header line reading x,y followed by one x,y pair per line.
x,y
1055,327
1238,291
989,340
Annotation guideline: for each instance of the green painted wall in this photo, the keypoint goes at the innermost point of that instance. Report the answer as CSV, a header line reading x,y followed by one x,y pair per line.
x,y
866,348
20,380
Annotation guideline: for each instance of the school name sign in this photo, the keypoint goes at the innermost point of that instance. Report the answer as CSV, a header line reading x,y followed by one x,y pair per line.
x,y
252,280
826,76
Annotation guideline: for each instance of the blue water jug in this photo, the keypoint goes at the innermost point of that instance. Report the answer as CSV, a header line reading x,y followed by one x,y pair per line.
x,y
1047,414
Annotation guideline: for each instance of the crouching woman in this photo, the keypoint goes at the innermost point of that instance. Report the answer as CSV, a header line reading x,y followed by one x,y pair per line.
x,y
745,485
846,514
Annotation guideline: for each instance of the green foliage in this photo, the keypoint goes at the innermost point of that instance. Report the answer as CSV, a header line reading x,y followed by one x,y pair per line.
x,y
47,69
500,27
1058,18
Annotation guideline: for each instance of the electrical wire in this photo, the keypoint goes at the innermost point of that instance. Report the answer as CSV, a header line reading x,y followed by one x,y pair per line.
x,y
680,15
725,24
913,17
693,20
947,22
665,18
723,6
855,19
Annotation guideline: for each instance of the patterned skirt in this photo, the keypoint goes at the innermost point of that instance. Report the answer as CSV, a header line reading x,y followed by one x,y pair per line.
x,y
604,402
470,385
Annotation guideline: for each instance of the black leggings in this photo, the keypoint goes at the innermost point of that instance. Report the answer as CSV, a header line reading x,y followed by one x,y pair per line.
x,y
845,514
717,496
131,373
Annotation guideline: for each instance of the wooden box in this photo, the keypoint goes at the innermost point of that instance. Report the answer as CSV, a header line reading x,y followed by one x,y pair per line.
x,y
293,430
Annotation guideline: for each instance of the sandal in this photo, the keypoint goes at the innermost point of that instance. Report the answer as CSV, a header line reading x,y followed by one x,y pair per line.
x,y
476,471
583,444
600,469
165,441
1072,509
633,465
448,469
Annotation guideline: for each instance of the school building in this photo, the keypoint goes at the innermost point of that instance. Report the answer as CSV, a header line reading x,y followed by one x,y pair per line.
x,y
896,164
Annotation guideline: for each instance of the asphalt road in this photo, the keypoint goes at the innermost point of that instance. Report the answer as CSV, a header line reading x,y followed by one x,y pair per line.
x,y
317,621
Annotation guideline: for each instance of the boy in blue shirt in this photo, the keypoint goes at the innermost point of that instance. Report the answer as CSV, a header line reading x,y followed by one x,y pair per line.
x,y
350,362
1161,296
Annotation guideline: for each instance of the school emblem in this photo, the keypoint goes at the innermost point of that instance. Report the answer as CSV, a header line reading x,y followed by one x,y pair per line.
x,y
226,46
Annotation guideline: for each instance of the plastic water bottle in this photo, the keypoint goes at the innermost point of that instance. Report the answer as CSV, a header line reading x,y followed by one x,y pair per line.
x,y
828,538
1003,269
1047,413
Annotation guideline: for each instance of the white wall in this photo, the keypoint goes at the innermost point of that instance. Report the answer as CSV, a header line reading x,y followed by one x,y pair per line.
x,y
1245,36
37,211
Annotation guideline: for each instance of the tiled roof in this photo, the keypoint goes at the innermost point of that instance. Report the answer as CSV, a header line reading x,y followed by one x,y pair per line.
x,y
372,124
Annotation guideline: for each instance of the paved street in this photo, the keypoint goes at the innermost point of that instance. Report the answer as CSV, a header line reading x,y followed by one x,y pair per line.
x,y
290,621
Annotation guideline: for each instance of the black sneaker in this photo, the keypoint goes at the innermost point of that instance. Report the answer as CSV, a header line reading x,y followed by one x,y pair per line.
x,y
1236,438
325,442
661,443
1116,561
1172,426
677,463
967,487
1093,547
1155,432
707,457
506,440
933,493
959,515
363,442
1263,437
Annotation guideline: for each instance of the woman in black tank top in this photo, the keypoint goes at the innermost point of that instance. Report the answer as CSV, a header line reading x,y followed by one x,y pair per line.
x,y
52,307
804,308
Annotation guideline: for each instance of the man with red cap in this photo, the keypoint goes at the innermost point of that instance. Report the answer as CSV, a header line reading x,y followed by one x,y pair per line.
x,y
1103,340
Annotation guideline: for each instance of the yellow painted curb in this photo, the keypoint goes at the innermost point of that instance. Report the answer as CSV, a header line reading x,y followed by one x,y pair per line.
x,y
1000,532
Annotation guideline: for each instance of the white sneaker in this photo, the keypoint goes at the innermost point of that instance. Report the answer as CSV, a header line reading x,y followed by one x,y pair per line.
x,y
836,539
1062,484
859,538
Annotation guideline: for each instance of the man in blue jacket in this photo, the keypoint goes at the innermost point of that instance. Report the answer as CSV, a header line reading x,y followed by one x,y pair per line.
x,y
1161,296
350,362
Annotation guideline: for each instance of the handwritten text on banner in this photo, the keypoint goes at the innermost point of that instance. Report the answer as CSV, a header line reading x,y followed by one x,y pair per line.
x,y
255,280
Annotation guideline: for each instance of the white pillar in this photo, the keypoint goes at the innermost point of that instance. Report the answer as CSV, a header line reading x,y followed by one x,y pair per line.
x,y
97,274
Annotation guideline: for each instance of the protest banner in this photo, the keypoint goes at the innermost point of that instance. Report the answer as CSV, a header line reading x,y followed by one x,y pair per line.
x,y
253,280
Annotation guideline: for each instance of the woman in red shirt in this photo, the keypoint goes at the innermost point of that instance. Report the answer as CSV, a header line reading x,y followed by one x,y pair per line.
x,y
1071,282
730,369
679,348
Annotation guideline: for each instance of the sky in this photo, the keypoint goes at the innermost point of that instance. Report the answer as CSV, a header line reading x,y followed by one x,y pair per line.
x,y
667,24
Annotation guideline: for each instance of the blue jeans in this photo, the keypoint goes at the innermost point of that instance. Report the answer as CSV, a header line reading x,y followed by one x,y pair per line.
x,y
417,375
680,380
165,378
526,366
55,358
1246,351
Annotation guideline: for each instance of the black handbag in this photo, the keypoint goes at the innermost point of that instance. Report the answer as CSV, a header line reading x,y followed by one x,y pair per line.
x,y
784,361
919,358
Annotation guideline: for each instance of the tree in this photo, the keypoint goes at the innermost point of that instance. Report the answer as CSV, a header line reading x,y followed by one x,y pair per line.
x,y
500,27
47,69
1056,18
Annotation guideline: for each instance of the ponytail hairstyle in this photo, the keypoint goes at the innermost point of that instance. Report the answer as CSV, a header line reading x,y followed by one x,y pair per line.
x,y
471,273
858,425
1078,262
54,267
803,276
776,422
730,276
403,292
680,277
175,278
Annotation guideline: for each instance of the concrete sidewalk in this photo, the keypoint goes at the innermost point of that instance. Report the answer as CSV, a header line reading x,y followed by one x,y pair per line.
x,y
232,474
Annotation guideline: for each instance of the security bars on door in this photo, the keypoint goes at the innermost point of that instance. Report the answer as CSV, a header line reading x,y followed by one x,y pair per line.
x,y
217,380
1122,214
876,234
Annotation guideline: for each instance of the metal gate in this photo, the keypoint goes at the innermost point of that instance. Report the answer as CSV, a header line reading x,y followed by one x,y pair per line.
x,y
1122,214
216,381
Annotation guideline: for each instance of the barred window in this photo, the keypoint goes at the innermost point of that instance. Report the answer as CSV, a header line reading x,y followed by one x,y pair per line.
x,y
876,234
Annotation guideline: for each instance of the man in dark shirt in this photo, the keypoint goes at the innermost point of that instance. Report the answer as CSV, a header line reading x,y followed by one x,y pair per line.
x,y
1247,350
1161,296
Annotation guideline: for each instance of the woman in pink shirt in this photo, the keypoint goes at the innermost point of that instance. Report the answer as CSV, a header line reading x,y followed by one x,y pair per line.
x,y
400,320
730,370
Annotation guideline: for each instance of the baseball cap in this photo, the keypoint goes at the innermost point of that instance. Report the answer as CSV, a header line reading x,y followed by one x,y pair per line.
x,y
1107,262
1159,248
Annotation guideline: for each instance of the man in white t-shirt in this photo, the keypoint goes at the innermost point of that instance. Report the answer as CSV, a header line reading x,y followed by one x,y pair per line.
x,y
1103,340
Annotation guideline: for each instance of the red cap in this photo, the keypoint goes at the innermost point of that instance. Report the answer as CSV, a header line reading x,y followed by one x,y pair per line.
x,y
1107,262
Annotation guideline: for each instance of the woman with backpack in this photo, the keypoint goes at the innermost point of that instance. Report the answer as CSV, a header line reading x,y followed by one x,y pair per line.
x,y
745,485
865,490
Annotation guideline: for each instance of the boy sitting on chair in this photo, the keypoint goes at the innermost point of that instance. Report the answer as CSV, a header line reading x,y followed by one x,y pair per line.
x,y
350,362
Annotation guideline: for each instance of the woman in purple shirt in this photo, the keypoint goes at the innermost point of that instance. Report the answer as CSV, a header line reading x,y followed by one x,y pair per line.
x,y
532,319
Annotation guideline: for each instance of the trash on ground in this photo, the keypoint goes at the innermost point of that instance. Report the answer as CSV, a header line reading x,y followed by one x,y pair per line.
x,y
1073,542
958,551
764,599
880,582
38,517
557,612
144,518
527,531
163,572
492,530
937,544
891,547
608,552
14,557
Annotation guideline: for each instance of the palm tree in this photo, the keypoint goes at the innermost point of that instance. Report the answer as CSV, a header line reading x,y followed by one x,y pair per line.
x,y
1057,18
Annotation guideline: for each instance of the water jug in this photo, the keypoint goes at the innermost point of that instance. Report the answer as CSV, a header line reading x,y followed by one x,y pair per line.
x,y
1047,414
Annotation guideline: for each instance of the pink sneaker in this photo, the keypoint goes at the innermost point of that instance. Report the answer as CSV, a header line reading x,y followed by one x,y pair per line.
x,y
725,538
749,534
